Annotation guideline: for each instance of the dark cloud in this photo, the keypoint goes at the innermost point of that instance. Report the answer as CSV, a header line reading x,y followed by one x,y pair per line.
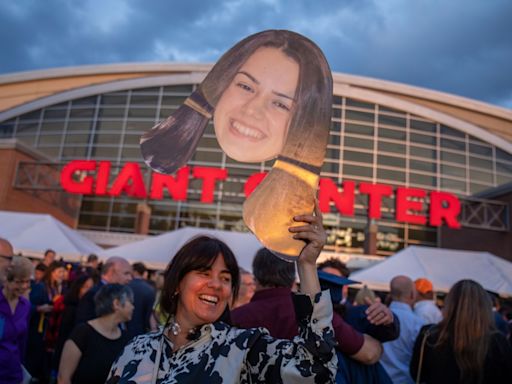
x,y
458,46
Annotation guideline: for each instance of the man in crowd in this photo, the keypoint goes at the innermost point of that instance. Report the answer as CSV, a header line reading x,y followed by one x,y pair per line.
x,y
92,262
425,306
397,354
338,268
115,270
272,307
49,257
6,253
247,288
39,272
143,300
499,320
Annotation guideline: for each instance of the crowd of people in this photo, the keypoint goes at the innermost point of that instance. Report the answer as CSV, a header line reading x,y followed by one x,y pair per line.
x,y
204,319
64,322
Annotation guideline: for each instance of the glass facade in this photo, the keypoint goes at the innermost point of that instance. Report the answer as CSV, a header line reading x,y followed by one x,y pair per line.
x,y
368,143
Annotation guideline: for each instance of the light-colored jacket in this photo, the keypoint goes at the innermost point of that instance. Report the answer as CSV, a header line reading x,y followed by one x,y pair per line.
x,y
220,353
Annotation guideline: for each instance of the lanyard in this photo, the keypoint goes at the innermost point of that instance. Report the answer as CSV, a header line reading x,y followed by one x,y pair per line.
x,y
156,367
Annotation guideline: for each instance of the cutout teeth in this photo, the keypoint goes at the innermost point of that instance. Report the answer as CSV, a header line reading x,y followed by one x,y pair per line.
x,y
246,131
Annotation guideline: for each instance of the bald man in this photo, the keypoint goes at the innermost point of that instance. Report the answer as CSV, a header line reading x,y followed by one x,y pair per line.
x,y
397,354
6,253
116,270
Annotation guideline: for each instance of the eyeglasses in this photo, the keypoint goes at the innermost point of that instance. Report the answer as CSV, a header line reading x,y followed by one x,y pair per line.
x,y
6,257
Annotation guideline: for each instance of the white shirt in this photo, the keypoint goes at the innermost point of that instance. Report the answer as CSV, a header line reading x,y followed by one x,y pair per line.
x,y
428,311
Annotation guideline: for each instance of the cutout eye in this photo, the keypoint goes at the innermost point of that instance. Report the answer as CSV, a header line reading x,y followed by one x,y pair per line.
x,y
244,87
282,106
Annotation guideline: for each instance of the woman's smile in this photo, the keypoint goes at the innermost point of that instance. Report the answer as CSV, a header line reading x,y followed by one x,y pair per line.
x,y
209,299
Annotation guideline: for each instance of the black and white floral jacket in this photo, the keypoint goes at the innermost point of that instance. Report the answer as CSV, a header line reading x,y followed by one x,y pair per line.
x,y
223,354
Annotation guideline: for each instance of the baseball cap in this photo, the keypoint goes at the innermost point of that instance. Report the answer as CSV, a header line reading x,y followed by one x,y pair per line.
x,y
423,285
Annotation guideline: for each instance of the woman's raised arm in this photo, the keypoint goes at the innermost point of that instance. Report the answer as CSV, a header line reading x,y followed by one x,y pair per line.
x,y
313,233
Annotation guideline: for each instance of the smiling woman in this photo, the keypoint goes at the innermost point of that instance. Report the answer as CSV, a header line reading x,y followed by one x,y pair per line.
x,y
197,344
199,282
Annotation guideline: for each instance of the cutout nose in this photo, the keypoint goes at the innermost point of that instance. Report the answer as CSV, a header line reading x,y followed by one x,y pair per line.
x,y
254,106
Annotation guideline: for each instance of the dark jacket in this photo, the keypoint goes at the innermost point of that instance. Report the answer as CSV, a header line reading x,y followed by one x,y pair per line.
x,y
143,301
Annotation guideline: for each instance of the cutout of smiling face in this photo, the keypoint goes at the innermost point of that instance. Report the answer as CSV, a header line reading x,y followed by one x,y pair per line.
x,y
252,116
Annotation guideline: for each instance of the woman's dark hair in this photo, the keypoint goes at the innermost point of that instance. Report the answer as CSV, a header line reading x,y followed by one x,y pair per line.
x,y
198,254
72,295
47,277
467,326
271,271
104,298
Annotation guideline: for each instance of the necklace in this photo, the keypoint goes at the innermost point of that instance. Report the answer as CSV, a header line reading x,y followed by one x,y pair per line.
x,y
174,326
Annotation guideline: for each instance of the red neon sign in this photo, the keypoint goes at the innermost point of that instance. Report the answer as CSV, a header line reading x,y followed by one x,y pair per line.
x,y
77,177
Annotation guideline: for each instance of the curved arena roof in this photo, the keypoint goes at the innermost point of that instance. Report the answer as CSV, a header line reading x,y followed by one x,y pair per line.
x,y
26,91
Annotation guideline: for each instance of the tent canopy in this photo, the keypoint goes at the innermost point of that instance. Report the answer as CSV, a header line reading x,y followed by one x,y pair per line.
x,y
32,234
444,267
156,252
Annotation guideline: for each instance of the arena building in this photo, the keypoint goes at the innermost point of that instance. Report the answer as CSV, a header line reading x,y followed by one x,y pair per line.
x,y
77,130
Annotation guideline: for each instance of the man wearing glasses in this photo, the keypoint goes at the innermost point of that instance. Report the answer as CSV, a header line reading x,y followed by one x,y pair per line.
x,y
6,253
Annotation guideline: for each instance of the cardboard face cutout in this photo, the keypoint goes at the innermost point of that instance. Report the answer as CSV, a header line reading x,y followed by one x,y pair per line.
x,y
270,96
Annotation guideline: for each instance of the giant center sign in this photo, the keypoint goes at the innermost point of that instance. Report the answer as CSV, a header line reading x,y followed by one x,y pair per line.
x,y
90,177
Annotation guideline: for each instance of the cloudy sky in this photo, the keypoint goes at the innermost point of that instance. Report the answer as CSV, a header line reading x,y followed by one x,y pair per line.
x,y
457,46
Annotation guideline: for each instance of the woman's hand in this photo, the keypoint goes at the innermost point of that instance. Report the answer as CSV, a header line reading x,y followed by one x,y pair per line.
x,y
313,233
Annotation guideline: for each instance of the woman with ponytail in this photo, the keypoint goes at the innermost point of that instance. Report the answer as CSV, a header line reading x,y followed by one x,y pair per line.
x,y
465,346
270,96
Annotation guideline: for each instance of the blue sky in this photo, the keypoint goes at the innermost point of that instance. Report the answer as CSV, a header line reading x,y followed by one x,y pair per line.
x,y
462,47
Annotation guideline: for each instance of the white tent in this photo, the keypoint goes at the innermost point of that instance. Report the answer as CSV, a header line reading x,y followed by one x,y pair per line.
x,y
443,267
156,251
32,233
